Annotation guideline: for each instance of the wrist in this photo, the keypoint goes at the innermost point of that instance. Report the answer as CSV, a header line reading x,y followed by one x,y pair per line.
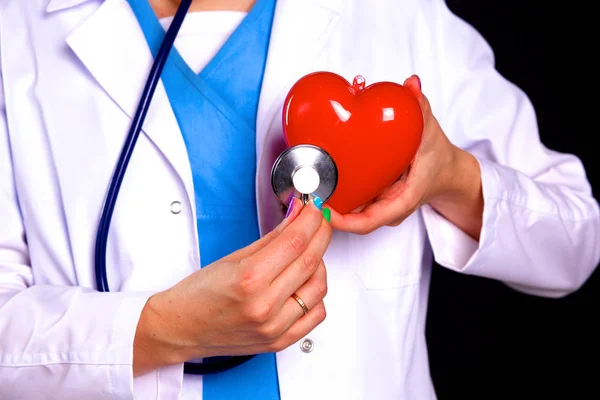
x,y
461,181
155,343
462,201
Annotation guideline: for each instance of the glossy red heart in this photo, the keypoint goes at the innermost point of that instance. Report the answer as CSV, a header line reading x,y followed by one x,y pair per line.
x,y
372,133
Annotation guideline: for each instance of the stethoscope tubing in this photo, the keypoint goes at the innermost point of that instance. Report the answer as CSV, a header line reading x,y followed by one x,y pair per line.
x,y
129,144
119,173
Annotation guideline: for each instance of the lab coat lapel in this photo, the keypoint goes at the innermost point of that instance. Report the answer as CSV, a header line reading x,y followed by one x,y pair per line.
x,y
57,5
113,48
300,30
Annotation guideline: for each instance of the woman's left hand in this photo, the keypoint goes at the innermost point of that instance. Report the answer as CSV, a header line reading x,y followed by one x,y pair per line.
x,y
441,175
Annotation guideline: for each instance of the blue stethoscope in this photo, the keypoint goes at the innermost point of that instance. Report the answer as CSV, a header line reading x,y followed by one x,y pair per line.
x,y
208,366
302,170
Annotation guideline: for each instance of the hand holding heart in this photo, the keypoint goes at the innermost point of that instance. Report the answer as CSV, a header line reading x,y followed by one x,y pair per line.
x,y
428,176
441,174
391,152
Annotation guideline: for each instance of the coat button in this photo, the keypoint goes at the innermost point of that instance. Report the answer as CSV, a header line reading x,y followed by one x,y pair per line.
x,y
175,207
307,345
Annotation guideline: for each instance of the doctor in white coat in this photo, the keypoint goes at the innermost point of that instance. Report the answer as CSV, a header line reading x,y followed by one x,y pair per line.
x,y
484,197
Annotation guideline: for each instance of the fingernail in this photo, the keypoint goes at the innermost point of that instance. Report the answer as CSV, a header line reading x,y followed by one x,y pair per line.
x,y
290,207
327,214
318,202
419,80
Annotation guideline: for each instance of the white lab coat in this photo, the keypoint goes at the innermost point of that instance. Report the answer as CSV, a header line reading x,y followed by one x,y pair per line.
x,y
71,75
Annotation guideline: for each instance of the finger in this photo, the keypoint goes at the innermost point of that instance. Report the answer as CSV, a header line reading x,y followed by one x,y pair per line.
x,y
366,221
304,270
290,244
286,309
294,210
396,204
299,271
301,327
312,292
278,336
413,83
296,331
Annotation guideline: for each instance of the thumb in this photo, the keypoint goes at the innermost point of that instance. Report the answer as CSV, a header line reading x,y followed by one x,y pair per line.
x,y
413,84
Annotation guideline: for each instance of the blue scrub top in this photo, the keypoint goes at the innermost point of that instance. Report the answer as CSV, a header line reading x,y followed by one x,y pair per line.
x,y
216,111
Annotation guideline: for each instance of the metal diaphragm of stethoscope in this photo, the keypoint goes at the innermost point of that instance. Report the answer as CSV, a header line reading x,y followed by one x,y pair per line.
x,y
304,171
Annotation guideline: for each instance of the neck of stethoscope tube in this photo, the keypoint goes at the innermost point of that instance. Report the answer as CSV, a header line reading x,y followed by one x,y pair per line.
x,y
128,146
119,173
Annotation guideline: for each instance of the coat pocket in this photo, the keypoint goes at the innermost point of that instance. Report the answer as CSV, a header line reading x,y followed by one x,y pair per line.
x,y
390,257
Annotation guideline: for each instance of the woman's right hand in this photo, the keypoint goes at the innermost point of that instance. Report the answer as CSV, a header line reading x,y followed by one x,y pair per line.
x,y
241,304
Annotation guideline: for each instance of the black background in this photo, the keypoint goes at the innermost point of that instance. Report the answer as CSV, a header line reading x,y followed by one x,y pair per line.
x,y
487,341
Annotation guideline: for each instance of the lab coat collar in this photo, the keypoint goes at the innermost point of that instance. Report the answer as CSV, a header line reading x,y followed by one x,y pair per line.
x,y
112,46
58,5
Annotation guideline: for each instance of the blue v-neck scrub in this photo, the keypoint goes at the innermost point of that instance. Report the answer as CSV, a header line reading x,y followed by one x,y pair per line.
x,y
216,112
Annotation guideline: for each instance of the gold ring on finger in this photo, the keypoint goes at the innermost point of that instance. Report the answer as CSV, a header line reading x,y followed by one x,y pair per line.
x,y
302,303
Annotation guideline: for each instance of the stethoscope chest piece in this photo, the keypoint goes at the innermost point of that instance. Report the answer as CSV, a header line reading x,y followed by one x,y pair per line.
x,y
304,171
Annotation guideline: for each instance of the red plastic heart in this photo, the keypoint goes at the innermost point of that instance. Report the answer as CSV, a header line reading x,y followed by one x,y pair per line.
x,y
372,133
